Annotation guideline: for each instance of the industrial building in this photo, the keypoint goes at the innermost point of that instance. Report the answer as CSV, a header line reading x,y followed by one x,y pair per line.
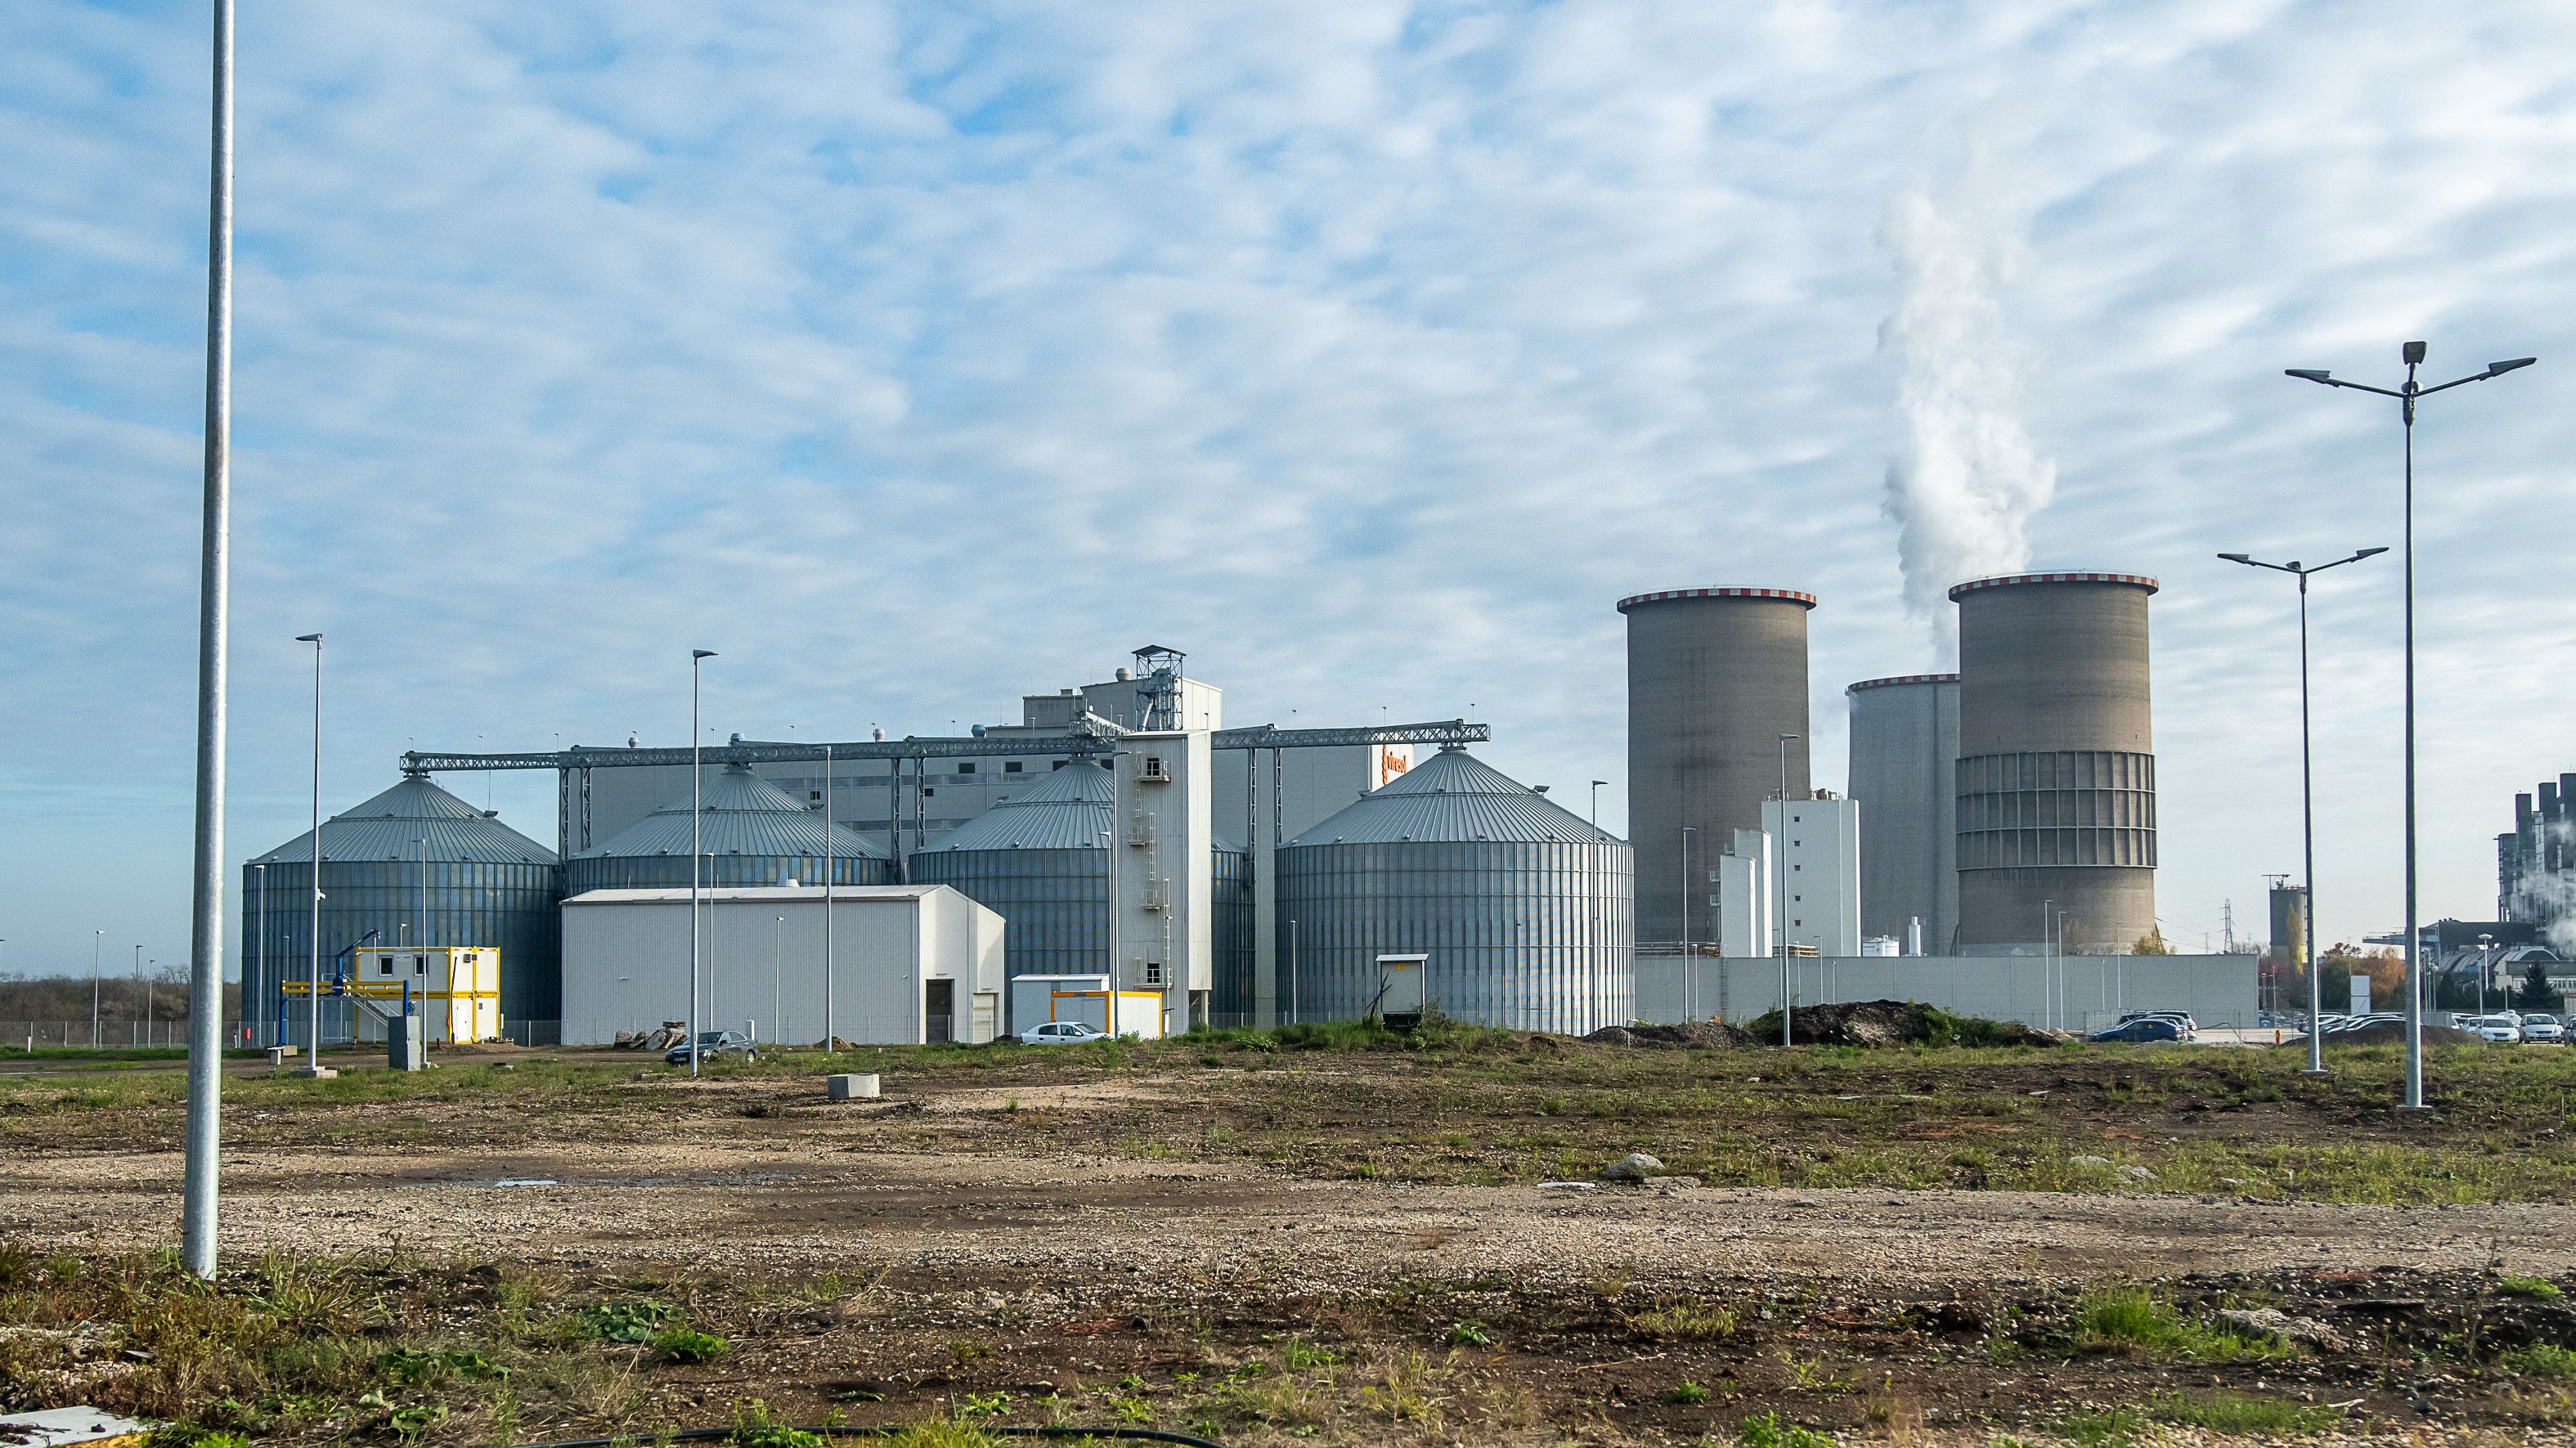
x,y
1819,851
413,866
1715,677
2536,863
1520,908
748,831
1904,758
1041,859
911,964
2056,775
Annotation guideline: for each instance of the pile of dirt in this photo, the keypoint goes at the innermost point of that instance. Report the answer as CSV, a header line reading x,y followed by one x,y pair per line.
x,y
1894,1023
2387,1033
1689,1035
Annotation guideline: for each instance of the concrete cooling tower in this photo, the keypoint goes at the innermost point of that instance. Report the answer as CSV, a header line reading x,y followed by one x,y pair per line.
x,y
2057,769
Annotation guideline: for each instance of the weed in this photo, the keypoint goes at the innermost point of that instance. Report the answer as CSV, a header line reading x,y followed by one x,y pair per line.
x,y
2541,1360
2108,1429
635,1321
687,1345
409,1367
1402,1392
983,1405
1810,1375
1467,1332
2243,1416
1688,1393
963,1350
1767,1431
1301,1356
2126,1318
940,1433
753,1427
1687,1321
2539,1288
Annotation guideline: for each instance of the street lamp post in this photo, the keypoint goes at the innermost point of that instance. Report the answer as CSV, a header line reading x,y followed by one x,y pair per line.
x,y
778,973
2486,943
1780,868
2407,398
313,1002
1599,1004
697,818
2047,963
829,1041
97,945
2308,798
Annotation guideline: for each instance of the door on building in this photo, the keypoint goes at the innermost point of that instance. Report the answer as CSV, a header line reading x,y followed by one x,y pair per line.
x,y
988,1016
939,1012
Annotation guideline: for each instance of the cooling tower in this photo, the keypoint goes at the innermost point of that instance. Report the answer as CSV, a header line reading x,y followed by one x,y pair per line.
x,y
1715,677
1904,746
2057,770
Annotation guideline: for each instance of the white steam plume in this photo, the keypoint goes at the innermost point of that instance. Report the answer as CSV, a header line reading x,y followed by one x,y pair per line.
x,y
1964,490
2551,895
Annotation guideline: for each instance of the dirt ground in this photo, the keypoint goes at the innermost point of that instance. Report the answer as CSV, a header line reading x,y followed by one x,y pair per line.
x,y
1130,1240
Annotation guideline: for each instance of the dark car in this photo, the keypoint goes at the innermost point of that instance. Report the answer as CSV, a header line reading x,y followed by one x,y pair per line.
x,y
2148,1028
712,1044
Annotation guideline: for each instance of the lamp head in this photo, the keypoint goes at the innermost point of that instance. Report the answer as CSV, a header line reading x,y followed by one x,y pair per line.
x,y
702,653
2498,369
2244,558
2369,553
2414,353
2312,374
311,638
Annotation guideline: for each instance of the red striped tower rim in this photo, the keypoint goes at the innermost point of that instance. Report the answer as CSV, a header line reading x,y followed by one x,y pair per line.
x,y
1890,683
2134,580
1784,595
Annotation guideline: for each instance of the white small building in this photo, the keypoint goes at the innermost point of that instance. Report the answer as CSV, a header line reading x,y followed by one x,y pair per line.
x,y
1819,847
911,964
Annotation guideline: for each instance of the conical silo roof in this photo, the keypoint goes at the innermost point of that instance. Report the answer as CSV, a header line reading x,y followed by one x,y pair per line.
x,y
1068,810
392,826
1451,796
743,814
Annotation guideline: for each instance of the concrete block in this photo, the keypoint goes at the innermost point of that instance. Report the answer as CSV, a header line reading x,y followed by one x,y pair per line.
x,y
852,1086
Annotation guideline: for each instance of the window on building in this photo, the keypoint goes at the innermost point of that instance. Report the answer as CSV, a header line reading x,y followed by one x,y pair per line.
x,y
927,793
1010,766
1153,972
813,794
966,766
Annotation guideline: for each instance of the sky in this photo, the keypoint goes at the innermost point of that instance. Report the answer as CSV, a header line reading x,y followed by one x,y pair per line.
x,y
914,357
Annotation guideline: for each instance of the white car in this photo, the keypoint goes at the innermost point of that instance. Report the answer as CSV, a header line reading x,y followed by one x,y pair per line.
x,y
1061,1033
2542,1026
2495,1030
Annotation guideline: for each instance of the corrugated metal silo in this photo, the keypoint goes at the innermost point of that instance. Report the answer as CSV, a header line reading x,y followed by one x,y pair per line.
x,y
2057,769
488,885
1040,861
1522,907
1715,677
1904,748
753,833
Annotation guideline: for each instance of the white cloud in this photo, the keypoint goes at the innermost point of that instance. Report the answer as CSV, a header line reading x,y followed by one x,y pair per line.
x,y
918,356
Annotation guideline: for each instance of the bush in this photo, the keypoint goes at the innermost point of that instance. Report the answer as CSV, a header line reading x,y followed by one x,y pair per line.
x,y
1767,1431
686,1345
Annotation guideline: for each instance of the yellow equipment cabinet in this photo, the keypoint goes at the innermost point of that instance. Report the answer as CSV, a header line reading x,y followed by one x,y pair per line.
x,y
455,989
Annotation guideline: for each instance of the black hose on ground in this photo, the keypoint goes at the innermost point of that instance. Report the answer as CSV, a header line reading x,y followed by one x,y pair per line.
x,y
883,1430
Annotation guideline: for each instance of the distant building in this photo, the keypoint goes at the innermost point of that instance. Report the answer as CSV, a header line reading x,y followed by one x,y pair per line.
x,y
2536,863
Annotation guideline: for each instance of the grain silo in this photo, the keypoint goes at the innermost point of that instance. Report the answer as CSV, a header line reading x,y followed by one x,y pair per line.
x,y
1904,749
1715,677
1521,908
416,866
1040,861
2057,769
751,833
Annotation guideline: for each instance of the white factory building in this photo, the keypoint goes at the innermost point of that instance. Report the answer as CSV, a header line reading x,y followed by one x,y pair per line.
x,y
1818,840
912,964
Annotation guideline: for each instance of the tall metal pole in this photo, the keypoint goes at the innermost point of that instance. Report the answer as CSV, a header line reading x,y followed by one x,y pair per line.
x,y
313,1002
258,948
97,949
2413,355
214,603
828,1038
2308,856
697,817
1599,1005
1292,972
1780,868
777,974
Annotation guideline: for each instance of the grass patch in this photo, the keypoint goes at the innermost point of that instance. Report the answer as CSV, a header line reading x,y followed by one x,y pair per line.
x,y
1766,1430
2126,1318
2242,1415
2538,1288
2541,1360
1687,1321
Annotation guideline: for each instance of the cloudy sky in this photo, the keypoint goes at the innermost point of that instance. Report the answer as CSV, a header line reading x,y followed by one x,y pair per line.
x,y
915,356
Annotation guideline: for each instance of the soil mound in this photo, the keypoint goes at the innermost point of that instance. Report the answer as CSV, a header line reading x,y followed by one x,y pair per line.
x,y
1689,1035
1894,1023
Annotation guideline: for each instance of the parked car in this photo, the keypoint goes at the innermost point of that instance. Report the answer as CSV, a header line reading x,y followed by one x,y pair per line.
x,y
2495,1030
712,1044
2542,1026
1061,1033
2179,1018
2144,1028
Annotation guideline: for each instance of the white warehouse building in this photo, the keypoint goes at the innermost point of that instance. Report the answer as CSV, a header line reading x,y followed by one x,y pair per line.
x,y
912,964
